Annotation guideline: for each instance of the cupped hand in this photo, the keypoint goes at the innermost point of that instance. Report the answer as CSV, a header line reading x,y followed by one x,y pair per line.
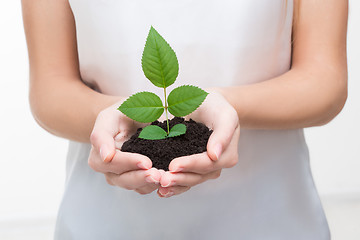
x,y
127,170
222,148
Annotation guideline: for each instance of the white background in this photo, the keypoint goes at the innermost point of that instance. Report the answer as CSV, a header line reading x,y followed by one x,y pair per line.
x,y
32,162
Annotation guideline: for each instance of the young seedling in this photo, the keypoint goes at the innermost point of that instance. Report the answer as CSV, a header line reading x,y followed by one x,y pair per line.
x,y
161,67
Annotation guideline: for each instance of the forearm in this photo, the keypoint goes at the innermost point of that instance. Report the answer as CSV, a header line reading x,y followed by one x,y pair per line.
x,y
315,89
60,102
295,99
67,107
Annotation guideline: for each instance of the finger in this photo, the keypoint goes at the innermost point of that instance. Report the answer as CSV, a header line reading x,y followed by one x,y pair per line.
x,y
121,162
149,188
196,163
230,156
126,161
161,172
202,164
104,131
134,179
171,191
186,179
127,128
223,130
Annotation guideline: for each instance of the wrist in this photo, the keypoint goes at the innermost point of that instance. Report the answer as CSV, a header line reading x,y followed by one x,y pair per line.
x,y
220,90
106,101
230,95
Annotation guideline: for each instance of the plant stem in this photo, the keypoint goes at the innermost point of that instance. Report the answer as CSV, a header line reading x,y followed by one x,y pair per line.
x,y
166,112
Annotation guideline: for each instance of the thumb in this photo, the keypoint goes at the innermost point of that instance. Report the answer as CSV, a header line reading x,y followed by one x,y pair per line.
x,y
102,136
104,144
220,138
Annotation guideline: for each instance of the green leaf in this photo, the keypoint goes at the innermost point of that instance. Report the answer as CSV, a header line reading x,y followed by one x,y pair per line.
x,y
177,130
185,99
153,132
142,107
159,61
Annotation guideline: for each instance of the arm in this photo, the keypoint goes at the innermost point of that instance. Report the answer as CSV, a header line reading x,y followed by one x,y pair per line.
x,y
63,105
56,89
314,91
311,93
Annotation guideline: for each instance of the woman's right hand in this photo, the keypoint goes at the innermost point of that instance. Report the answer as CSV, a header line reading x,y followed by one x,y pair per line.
x,y
131,171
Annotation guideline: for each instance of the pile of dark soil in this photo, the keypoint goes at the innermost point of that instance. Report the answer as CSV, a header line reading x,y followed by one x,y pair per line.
x,y
161,152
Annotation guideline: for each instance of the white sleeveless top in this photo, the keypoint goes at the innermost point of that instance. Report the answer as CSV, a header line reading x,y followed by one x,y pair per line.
x,y
269,194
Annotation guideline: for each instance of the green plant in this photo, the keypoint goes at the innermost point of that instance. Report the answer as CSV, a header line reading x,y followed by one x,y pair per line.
x,y
160,66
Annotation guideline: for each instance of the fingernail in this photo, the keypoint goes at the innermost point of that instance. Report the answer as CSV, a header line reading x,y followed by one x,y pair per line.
x,y
104,152
168,194
149,179
167,181
218,150
179,169
163,191
142,166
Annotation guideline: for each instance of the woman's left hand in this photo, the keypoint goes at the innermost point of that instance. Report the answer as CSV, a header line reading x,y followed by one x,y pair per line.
x,y
222,148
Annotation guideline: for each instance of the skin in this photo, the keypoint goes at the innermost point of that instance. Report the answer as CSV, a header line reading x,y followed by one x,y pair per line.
x,y
311,93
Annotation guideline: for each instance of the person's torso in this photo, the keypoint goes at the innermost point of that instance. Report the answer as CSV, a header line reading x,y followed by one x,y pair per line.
x,y
268,195
217,42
